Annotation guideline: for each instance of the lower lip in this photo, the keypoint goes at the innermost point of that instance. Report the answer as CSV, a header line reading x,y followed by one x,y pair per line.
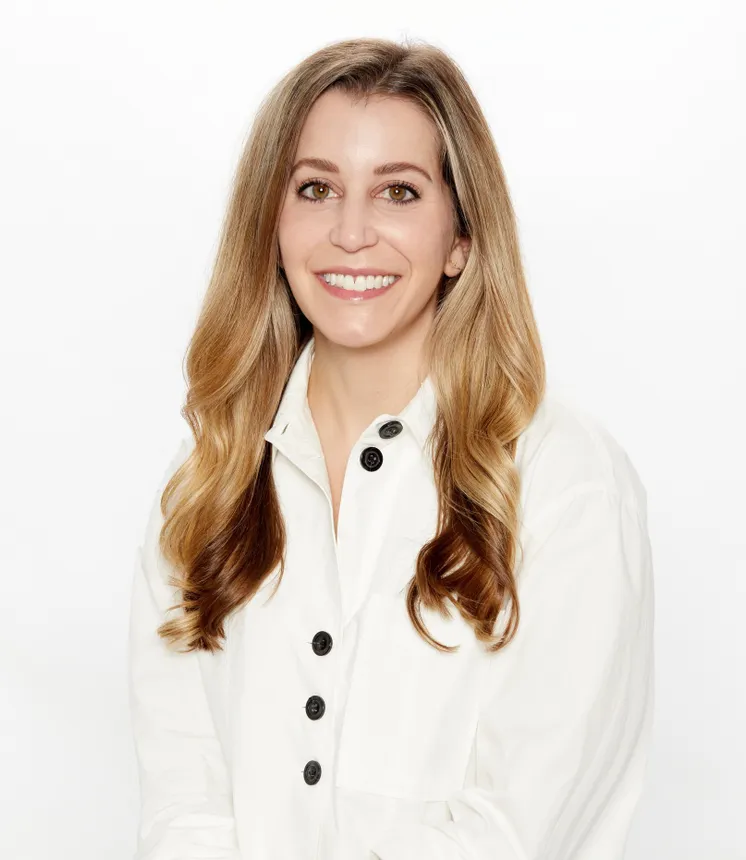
x,y
354,295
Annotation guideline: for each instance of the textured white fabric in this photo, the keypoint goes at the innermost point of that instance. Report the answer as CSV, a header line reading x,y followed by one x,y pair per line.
x,y
537,752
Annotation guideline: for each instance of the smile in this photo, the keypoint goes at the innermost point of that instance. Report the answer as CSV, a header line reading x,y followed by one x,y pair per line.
x,y
357,289
359,283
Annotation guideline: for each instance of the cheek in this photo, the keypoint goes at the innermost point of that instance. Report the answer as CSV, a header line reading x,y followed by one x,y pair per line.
x,y
424,244
298,233
424,232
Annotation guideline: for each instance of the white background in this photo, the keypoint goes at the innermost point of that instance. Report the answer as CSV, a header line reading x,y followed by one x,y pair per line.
x,y
621,129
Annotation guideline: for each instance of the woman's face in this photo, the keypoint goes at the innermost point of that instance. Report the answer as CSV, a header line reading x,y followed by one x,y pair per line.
x,y
349,216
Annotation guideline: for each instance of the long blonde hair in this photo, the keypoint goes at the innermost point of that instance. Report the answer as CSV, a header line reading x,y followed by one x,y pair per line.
x,y
223,530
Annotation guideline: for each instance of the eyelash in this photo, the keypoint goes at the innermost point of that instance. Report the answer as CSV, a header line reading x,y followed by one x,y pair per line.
x,y
309,182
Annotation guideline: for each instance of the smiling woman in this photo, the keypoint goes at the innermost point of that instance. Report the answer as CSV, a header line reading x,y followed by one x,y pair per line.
x,y
396,215
394,599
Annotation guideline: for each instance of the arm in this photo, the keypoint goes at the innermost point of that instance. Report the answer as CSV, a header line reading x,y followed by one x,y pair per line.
x,y
186,807
563,732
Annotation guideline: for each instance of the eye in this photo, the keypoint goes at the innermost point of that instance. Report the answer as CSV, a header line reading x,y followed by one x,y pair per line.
x,y
403,187
316,184
313,184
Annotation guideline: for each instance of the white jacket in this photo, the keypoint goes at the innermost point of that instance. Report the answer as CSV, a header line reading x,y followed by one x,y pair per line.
x,y
328,729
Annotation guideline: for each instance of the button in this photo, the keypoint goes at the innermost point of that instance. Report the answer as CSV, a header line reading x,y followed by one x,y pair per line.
x,y
390,429
312,772
322,643
315,707
371,458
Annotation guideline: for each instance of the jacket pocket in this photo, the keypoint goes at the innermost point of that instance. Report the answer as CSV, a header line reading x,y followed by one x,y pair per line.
x,y
411,711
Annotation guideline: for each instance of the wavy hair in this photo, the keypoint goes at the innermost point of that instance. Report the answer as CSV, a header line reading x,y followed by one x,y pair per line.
x,y
223,530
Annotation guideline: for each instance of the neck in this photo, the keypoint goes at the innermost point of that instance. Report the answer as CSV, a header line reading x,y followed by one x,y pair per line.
x,y
350,386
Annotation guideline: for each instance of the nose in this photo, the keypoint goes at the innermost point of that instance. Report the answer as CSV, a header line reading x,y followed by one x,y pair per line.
x,y
353,227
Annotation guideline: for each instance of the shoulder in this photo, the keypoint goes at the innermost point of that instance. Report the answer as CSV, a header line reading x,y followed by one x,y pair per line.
x,y
565,451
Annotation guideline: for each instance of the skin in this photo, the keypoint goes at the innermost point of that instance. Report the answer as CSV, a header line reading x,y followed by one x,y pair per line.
x,y
368,358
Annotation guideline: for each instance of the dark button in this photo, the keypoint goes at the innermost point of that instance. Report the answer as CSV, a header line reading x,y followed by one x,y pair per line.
x,y
371,458
390,429
312,772
322,643
315,707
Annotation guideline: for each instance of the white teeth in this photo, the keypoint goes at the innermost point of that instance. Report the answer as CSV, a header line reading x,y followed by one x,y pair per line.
x,y
360,283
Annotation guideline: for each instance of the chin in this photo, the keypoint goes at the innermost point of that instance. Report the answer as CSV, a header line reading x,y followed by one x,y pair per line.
x,y
351,338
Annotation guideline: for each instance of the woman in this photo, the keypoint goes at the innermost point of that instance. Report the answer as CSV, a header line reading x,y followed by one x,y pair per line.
x,y
393,601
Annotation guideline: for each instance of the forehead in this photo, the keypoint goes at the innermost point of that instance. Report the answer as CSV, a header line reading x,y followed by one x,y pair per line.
x,y
358,134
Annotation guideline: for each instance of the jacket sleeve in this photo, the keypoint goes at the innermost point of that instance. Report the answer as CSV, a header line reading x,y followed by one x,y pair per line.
x,y
564,728
186,804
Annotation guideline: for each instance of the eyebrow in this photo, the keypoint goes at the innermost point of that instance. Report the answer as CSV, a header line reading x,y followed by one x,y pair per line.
x,y
382,169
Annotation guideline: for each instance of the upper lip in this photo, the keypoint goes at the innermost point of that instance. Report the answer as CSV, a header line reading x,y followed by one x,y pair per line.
x,y
346,270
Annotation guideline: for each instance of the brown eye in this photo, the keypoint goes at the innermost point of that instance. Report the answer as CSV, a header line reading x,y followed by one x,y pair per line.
x,y
397,193
313,186
320,185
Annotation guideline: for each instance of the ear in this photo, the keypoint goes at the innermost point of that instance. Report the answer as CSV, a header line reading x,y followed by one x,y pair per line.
x,y
458,256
